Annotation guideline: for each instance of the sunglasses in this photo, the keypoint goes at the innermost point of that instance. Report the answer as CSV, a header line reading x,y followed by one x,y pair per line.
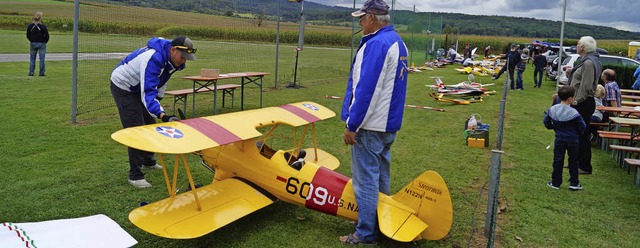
x,y
186,49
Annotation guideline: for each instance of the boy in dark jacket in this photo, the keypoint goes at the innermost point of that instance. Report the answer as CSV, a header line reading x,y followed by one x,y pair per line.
x,y
567,124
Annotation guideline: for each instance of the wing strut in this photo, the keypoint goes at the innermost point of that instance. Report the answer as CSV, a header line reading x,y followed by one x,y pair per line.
x,y
171,187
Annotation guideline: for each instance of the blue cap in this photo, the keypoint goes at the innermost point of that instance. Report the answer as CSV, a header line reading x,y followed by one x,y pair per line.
x,y
376,7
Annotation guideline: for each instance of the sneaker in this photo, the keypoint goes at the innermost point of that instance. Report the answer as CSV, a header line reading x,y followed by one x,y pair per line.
x,y
152,167
551,185
30,75
494,78
141,183
575,187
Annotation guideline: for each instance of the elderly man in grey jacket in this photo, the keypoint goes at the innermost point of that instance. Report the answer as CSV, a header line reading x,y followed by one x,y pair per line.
x,y
584,77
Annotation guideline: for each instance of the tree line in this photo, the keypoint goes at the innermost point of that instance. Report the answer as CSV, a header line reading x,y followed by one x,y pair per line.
x,y
452,23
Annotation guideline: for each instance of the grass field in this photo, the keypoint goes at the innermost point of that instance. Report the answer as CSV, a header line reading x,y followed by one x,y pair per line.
x,y
54,169
58,170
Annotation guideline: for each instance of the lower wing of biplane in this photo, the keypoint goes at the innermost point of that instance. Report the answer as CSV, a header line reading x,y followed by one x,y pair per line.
x,y
217,204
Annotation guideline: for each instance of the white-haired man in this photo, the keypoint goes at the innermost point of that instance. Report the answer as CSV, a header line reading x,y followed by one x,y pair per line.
x,y
584,77
372,109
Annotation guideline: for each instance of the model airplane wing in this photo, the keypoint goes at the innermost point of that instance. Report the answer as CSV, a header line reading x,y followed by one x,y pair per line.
x,y
196,134
220,204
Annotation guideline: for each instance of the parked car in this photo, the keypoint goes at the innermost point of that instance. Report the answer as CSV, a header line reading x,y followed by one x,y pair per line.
x,y
568,62
600,51
552,54
606,60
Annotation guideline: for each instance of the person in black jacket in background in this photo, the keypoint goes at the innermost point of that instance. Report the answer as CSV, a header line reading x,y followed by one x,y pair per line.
x,y
540,62
513,59
38,35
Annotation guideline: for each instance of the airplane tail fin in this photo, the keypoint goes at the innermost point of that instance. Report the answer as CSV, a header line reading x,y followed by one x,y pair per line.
x,y
438,82
429,197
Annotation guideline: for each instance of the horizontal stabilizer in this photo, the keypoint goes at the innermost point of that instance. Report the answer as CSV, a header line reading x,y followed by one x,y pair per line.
x,y
397,221
179,217
429,196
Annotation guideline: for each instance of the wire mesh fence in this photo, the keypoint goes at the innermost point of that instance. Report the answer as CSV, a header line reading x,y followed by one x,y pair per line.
x,y
236,36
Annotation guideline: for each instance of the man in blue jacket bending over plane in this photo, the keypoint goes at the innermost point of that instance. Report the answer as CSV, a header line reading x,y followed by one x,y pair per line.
x,y
373,107
137,86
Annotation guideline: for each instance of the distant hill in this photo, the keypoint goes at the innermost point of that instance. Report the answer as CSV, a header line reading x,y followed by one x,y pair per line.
x,y
333,15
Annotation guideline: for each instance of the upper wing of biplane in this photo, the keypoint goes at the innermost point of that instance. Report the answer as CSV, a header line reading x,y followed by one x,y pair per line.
x,y
197,134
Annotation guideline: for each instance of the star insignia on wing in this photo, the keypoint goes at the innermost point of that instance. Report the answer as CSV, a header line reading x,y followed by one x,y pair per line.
x,y
169,132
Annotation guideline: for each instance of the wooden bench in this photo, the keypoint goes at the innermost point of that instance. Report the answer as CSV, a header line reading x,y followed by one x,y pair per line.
x,y
629,91
623,151
605,132
182,94
635,163
630,103
630,97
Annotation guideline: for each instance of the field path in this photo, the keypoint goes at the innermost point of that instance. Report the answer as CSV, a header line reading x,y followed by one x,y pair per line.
x,y
62,56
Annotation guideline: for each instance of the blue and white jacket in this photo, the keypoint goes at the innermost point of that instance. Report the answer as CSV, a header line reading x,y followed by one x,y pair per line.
x,y
146,71
377,87
565,121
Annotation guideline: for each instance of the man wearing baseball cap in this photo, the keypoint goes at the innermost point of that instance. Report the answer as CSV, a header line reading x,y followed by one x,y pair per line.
x,y
137,86
372,109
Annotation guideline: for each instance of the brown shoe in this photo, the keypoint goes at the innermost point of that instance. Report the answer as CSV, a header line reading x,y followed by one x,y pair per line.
x,y
580,171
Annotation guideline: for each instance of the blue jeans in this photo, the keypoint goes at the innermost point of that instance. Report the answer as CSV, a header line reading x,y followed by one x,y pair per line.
x,y
559,147
39,48
537,76
370,162
519,80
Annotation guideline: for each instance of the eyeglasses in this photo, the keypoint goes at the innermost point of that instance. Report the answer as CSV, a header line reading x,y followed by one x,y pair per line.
x,y
186,49
362,17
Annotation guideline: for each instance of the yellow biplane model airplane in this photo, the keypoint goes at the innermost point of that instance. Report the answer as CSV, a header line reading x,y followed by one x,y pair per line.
x,y
250,174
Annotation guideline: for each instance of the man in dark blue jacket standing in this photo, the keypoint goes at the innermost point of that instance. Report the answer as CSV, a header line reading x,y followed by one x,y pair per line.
x,y
372,109
540,62
137,85
38,35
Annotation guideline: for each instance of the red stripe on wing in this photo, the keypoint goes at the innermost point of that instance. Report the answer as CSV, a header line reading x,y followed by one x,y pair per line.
x,y
212,130
300,113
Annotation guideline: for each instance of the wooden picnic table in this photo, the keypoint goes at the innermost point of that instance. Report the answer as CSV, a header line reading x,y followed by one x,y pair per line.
x,y
211,83
633,123
617,111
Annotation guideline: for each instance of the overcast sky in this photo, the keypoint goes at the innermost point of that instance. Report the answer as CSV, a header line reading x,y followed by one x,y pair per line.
x,y
620,14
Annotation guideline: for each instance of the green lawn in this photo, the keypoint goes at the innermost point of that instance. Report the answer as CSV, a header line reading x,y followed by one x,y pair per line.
x,y
54,169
